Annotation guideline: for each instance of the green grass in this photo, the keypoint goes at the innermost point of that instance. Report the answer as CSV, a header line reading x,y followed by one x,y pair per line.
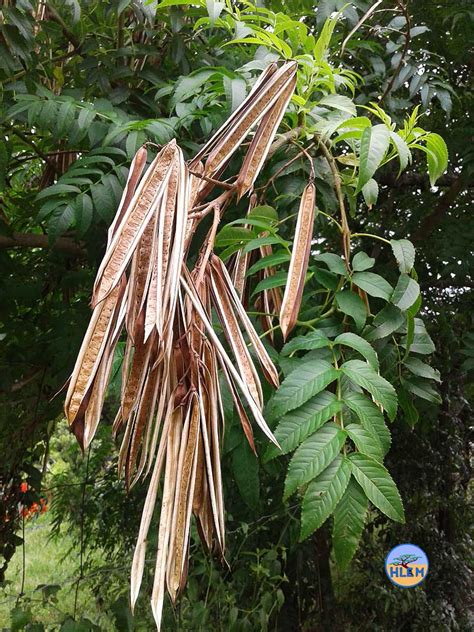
x,y
49,562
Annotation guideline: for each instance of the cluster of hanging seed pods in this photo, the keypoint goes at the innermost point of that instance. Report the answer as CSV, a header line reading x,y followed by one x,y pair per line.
x,y
170,419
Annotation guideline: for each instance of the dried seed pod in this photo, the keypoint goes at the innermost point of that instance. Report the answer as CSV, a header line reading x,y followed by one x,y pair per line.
x,y
260,145
299,261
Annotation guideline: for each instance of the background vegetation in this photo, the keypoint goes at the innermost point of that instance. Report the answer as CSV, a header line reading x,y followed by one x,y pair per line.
x,y
93,80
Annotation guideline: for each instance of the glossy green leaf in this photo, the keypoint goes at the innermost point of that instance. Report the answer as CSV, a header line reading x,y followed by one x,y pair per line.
x,y
423,388
313,456
275,280
422,342
378,486
268,262
370,191
387,321
323,495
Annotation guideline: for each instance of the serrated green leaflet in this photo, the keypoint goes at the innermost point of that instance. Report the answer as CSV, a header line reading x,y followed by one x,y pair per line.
x,y
373,284
382,391
300,385
423,388
313,340
349,518
266,262
313,456
421,369
362,346
298,424
404,252
275,280
370,417
378,486
323,494
365,441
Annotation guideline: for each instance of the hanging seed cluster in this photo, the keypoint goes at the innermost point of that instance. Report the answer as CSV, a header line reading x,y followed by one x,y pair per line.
x,y
171,418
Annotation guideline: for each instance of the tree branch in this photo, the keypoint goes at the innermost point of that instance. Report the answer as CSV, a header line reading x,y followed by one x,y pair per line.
x,y
32,240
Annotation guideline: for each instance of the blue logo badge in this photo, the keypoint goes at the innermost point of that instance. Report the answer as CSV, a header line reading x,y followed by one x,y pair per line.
x,y
406,565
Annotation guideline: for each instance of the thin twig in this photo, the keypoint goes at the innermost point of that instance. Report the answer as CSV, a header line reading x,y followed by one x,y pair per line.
x,y
340,197
404,10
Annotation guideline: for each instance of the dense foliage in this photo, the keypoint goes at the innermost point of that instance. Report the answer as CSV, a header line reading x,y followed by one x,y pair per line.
x,y
84,84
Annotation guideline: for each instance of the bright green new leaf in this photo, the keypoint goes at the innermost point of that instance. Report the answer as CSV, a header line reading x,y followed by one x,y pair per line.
x,y
437,156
